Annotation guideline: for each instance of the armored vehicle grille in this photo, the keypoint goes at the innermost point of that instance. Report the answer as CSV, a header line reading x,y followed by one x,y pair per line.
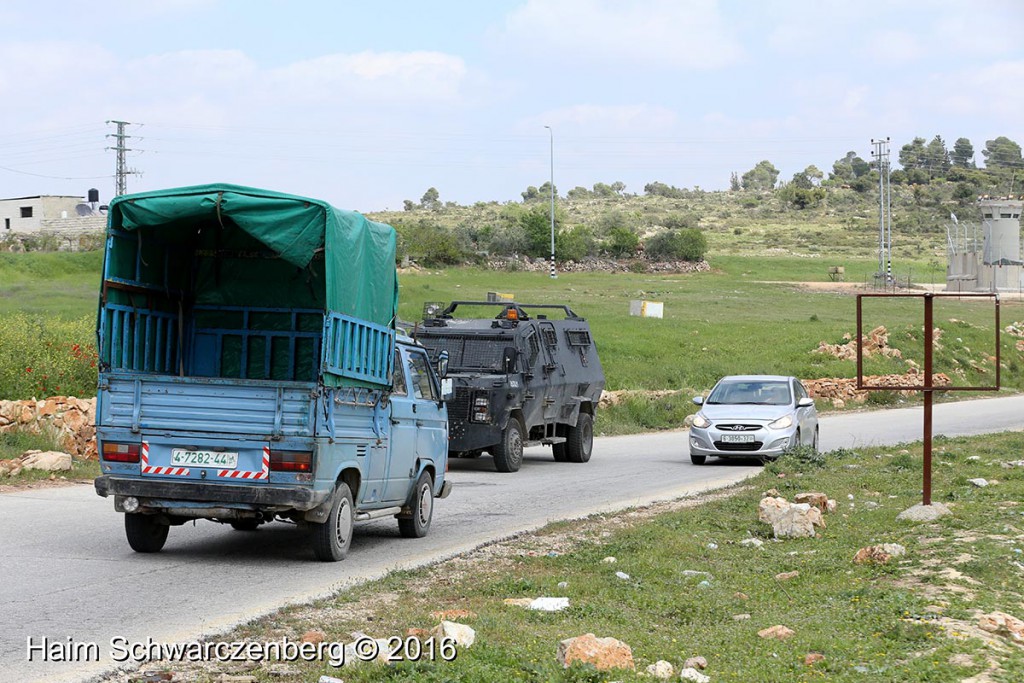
x,y
458,407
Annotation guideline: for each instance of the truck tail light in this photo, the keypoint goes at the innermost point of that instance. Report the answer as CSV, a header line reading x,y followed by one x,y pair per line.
x,y
291,461
120,452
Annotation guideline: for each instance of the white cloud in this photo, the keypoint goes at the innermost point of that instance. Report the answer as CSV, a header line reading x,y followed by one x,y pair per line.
x,y
652,33
387,76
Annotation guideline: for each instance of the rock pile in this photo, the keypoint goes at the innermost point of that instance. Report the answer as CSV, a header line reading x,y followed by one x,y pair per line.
x,y
598,265
794,520
877,342
72,419
844,390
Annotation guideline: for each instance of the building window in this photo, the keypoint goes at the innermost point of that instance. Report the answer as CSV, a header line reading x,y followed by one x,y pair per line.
x,y
26,212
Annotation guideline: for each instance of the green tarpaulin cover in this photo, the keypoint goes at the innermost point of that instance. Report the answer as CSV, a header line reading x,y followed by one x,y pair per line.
x,y
329,258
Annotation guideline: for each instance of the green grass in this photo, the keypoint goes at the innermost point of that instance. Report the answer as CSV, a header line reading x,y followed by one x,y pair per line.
x,y
50,283
884,622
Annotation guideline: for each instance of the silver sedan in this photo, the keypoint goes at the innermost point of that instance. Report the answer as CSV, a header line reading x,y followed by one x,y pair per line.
x,y
758,416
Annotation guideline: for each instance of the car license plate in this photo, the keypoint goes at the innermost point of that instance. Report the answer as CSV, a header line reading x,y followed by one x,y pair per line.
x,y
220,459
737,438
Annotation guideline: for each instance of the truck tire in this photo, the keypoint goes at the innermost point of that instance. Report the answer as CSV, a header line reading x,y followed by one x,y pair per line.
x,y
145,532
581,439
422,505
559,451
331,539
508,453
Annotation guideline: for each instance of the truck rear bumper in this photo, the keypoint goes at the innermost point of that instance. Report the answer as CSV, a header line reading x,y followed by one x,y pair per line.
x,y
290,497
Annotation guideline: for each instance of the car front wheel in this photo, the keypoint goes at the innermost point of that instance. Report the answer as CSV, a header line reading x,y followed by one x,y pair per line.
x,y
698,459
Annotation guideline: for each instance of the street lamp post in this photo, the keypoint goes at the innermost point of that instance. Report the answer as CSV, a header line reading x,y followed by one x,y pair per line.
x,y
552,183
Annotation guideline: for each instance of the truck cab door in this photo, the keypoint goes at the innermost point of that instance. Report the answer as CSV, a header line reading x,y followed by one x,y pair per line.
x,y
419,429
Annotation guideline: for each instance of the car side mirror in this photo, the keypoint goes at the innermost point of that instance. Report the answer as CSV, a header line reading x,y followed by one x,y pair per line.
x,y
805,402
442,364
509,358
447,389
698,400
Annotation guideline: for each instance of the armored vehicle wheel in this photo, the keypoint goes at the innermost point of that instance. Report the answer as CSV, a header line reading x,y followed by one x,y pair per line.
x,y
246,524
581,439
559,452
422,504
145,532
331,539
508,453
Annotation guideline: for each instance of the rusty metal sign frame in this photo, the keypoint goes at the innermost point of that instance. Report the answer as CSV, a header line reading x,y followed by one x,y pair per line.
x,y
927,387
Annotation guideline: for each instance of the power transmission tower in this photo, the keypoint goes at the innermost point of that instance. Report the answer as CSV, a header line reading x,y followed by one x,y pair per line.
x,y
121,171
881,155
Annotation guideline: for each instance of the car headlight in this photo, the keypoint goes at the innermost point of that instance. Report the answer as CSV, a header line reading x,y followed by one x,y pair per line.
x,y
782,422
700,421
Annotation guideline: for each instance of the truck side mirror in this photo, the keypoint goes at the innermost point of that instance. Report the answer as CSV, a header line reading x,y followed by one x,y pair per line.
x,y
509,358
442,365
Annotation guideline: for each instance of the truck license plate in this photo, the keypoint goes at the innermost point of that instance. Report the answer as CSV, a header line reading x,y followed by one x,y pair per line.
x,y
219,459
737,438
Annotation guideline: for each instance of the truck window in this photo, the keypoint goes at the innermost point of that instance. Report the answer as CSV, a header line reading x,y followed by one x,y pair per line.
x,y
398,386
533,346
422,384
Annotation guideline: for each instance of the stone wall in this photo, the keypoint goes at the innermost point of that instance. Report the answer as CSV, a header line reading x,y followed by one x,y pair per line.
x,y
72,419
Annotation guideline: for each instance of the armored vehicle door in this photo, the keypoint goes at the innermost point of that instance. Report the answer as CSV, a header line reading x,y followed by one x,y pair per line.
x,y
532,360
554,372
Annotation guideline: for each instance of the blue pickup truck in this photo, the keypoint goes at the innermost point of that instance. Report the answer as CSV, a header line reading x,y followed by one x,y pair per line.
x,y
251,370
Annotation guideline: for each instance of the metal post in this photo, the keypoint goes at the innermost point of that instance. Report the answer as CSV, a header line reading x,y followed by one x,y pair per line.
x,y
928,341
551,135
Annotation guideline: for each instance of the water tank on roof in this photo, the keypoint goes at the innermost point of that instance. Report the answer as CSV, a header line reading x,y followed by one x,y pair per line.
x,y
94,196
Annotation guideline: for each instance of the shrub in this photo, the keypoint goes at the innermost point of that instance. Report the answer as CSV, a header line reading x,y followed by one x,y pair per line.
x,y
622,242
677,245
55,358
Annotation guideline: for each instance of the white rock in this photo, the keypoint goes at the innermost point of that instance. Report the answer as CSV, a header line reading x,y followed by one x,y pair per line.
x,y
756,542
924,513
563,584
47,460
712,546
694,572
609,560
697,662
894,549
661,669
979,482
549,604
691,674
974,457
622,575
460,633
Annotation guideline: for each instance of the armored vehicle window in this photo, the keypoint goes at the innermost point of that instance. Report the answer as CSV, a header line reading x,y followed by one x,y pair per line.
x,y
550,336
578,337
398,387
468,353
422,386
534,346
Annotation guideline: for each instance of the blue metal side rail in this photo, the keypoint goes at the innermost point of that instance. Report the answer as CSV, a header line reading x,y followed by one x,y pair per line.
x,y
357,349
139,339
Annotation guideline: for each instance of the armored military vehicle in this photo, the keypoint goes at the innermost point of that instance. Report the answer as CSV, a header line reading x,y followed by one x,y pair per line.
x,y
528,375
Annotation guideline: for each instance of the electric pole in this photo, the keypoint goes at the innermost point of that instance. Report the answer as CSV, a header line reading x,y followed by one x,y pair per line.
x,y
121,170
881,155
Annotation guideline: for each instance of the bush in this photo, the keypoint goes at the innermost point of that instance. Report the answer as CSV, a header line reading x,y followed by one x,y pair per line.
x,y
677,245
55,358
429,243
622,242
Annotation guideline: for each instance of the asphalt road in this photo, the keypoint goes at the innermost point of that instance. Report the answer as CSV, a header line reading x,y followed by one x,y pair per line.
x,y
66,571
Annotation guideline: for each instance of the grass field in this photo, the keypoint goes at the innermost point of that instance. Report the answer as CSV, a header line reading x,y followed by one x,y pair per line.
x,y
716,323
913,619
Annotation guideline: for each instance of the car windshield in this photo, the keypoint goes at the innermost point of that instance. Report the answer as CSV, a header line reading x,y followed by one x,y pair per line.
x,y
752,392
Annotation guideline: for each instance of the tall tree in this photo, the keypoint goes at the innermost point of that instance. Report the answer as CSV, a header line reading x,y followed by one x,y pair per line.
x,y
913,155
963,153
431,199
734,181
761,177
937,157
1001,153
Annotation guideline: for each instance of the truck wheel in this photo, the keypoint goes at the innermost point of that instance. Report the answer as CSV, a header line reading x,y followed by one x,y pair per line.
x,y
508,453
145,532
559,451
422,505
581,439
331,539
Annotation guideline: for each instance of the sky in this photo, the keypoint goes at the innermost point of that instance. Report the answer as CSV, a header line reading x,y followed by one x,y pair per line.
x,y
367,104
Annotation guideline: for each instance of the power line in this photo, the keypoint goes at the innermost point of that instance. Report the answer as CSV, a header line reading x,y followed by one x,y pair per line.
x,y
53,177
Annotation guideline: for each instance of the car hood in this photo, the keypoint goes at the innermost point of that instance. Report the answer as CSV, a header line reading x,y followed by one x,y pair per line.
x,y
744,412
